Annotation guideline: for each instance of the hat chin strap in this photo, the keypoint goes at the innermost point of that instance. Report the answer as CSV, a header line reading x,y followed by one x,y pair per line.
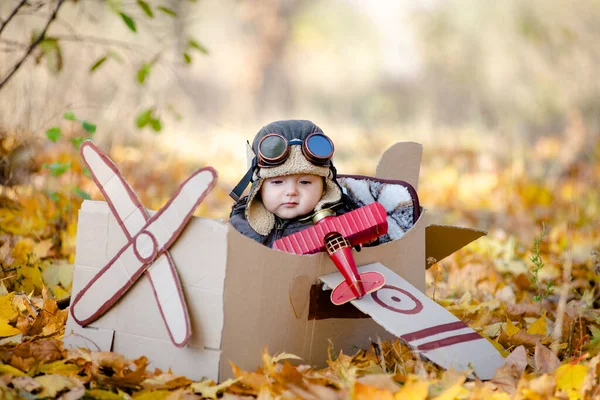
x,y
237,191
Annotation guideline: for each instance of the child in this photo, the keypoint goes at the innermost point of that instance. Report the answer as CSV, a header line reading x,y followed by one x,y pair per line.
x,y
292,176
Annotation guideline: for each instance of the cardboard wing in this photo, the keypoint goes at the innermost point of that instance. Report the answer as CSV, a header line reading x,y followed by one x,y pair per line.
x,y
424,325
241,295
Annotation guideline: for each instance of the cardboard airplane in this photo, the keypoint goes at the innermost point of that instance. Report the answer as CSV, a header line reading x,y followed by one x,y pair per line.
x,y
192,293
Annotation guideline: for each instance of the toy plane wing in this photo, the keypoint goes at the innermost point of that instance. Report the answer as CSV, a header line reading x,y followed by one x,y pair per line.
x,y
368,221
424,325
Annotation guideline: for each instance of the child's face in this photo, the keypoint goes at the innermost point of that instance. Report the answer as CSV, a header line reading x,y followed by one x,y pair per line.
x,y
292,195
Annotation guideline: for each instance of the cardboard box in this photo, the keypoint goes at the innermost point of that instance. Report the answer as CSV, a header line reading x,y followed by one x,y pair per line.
x,y
243,296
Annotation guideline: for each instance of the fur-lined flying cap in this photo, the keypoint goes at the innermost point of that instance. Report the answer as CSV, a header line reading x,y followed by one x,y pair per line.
x,y
259,218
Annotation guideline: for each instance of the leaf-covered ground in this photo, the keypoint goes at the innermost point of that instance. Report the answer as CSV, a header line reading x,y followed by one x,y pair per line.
x,y
530,286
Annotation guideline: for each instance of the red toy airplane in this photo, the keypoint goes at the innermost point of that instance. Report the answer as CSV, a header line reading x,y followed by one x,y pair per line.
x,y
338,235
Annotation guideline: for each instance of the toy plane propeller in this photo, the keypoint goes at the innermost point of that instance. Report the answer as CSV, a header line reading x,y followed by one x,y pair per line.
x,y
337,235
146,251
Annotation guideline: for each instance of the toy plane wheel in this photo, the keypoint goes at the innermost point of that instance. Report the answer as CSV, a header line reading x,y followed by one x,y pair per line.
x,y
371,281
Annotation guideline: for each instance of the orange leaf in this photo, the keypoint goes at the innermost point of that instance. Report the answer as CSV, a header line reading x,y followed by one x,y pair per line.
x,y
364,392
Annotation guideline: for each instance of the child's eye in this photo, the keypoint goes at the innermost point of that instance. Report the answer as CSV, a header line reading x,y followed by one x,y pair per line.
x,y
305,182
276,182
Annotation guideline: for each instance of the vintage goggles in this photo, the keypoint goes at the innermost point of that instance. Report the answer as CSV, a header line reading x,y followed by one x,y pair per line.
x,y
274,149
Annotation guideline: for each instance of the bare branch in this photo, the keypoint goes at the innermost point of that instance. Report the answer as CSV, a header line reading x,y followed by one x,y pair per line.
x,y
14,43
33,45
97,40
12,14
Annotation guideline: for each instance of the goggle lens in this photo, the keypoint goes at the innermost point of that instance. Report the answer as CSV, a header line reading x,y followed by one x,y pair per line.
x,y
320,146
273,147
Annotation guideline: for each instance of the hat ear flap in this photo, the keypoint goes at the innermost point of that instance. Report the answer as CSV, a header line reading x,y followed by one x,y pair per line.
x,y
261,220
249,155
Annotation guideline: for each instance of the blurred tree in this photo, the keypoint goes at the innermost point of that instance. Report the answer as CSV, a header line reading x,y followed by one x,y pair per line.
x,y
270,21
46,44
524,67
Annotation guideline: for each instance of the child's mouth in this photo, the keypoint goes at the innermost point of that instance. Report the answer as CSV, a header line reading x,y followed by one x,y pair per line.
x,y
290,204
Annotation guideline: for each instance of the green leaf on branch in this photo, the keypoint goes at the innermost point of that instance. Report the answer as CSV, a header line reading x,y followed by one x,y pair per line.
x,y
143,118
167,11
115,56
76,141
50,49
195,45
82,194
115,5
146,118
70,115
89,127
143,73
53,133
146,8
187,58
98,63
57,169
156,124
128,21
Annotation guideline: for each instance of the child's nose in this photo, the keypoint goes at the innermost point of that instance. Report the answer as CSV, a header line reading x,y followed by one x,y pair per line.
x,y
292,189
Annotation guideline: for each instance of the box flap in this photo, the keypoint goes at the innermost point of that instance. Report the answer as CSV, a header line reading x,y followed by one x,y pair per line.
x,y
401,161
443,240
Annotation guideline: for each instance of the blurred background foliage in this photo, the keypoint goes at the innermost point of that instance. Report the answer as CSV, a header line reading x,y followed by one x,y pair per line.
x,y
503,95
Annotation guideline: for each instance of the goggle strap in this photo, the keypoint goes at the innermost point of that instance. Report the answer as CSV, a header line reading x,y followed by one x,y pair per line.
x,y
237,191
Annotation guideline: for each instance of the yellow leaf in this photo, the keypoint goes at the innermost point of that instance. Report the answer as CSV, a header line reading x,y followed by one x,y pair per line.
x,y
59,292
7,312
208,388
365,392
22,251
9,369
59,367
538,327
569,379
285,356
58,274
511,328
41,249
32,278
413,390
499,347
100,394
53,384
165,381
152,395
453,391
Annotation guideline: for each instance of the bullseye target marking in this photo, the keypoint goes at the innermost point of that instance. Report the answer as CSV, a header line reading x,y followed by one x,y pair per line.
x,y
403,301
